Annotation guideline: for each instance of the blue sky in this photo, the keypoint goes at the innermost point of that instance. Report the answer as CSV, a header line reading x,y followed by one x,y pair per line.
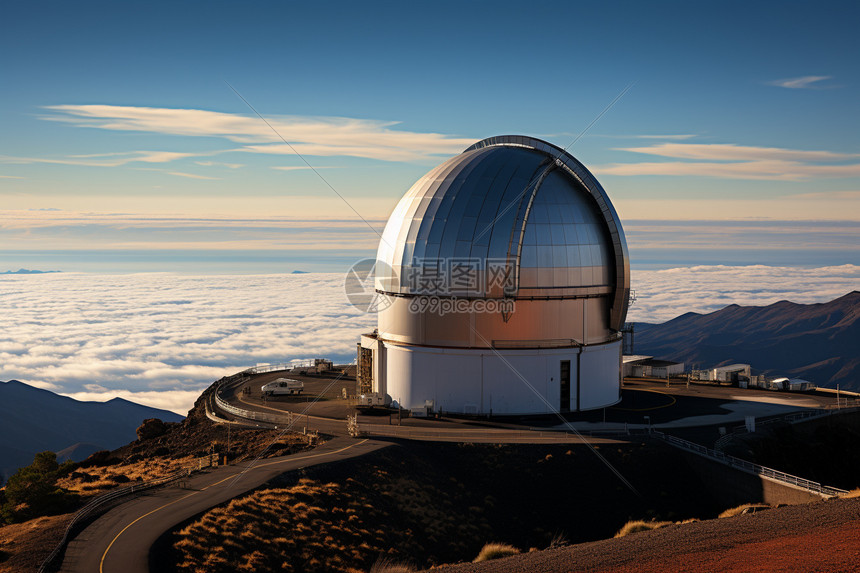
x,y
120,133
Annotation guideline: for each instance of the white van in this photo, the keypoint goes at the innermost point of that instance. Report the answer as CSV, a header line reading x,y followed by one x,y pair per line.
x,y
282,387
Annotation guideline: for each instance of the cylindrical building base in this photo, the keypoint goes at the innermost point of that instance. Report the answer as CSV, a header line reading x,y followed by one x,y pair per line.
x,y
500,381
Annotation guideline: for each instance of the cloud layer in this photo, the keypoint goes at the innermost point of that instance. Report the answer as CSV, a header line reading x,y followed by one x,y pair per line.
x,y
166,337
316,136
803,82
665,294
731,161
159,339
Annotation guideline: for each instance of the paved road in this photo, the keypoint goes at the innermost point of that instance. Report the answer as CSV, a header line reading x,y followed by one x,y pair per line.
x,y
434,431
119,541
675,406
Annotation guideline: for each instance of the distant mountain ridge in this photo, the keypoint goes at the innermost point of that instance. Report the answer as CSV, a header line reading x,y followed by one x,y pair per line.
x,y
27,272
33,420
817,342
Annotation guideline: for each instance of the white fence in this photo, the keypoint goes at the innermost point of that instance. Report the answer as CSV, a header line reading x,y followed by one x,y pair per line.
x,y
268,368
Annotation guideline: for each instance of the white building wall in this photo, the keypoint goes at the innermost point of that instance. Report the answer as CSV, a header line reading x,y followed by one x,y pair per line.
x,y
475,381
600,376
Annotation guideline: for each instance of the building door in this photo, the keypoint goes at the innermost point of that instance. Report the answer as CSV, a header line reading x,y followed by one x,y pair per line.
x,y
365,370
564,379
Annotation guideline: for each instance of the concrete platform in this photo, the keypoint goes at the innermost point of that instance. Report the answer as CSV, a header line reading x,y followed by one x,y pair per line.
x,y
671,406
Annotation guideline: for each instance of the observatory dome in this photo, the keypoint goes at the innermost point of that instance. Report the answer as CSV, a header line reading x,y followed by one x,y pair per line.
x,y
509,247
512,199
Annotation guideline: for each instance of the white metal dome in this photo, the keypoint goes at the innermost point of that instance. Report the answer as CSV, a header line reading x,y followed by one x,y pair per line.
x,y
509,206
506,279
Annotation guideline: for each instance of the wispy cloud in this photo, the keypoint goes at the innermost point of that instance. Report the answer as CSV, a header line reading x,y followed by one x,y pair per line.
x,y
732,152
220,164
191,175
104,159
831,195
755,170
10,177
318,136
303,167
732,161
803,82
27,230
665,137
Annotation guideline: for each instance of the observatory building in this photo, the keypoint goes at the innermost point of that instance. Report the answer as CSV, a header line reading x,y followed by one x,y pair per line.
x,y
502,280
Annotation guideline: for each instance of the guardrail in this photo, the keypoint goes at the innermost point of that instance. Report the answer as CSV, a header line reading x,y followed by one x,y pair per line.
x,y
80,518
268,368
749,467
280,419
792,418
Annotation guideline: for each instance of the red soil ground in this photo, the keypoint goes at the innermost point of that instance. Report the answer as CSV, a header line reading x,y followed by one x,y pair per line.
x,y
822,536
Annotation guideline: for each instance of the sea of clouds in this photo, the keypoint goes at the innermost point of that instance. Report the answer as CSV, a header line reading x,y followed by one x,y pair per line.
x,y
159,339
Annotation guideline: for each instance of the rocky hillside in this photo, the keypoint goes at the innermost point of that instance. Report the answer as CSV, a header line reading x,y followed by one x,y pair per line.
x,y
816,342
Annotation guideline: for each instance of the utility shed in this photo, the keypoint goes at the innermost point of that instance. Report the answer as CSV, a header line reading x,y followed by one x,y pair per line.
x,y
629,362
800,385
730,373
648,367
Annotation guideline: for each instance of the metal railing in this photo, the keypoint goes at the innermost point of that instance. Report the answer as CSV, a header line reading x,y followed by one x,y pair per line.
x,y
280,419
81,517
750,467
268,368
792,418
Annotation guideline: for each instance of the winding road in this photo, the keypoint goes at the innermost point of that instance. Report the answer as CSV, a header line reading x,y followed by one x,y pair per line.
x,y
119,541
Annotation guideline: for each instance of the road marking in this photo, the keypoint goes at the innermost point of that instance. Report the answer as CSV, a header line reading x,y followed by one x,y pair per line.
x,y
104,555
672,403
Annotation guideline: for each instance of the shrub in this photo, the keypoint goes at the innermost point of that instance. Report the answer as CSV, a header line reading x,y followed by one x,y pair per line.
x,y
151,428
385,565
495,551
559,540
638,525
83,477
745,508
32,491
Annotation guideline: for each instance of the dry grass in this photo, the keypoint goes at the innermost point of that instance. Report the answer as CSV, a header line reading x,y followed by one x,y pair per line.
x,y
25,545
386,565
308,527
97,479
638,525
492,551
745,508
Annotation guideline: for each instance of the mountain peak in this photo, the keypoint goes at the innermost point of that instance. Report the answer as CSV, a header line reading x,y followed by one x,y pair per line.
x,y
817,342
